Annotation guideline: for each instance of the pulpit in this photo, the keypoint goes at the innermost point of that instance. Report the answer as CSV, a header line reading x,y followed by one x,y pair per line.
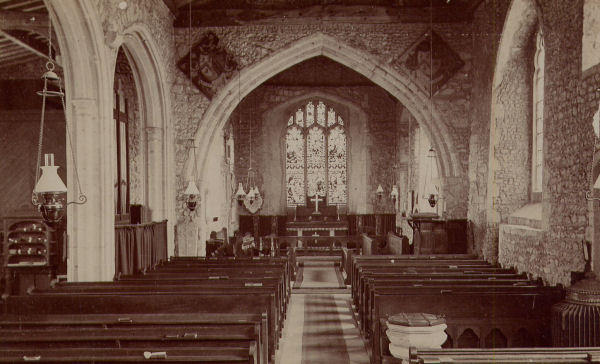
x,y
433,235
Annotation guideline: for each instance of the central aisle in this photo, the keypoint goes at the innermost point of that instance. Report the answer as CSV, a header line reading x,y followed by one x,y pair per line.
x,y
320,328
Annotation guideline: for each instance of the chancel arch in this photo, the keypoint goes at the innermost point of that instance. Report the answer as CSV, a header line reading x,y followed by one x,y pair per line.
x,y
395,83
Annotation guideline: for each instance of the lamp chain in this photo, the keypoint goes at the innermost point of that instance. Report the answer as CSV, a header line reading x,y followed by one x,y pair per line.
x,y
34,199
49,67
82,197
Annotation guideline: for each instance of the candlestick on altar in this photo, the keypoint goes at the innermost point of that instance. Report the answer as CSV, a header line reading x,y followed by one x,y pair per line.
x,y
337,211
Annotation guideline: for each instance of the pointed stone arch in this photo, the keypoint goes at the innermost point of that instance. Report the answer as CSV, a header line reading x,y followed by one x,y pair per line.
x,y
397,84
89,105
155,111
89,74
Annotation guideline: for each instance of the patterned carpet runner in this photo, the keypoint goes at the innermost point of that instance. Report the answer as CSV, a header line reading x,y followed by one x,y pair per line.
x,y
322,339
320,275
320,328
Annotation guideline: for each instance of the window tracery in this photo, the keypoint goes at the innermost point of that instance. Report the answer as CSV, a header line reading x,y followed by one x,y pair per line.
x,y
316,155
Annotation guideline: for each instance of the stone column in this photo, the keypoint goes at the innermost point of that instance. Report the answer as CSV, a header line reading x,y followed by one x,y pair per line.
x,y
90,227
156,177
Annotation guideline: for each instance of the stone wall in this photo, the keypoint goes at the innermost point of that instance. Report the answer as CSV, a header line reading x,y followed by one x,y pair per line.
x,y
553,251
567,138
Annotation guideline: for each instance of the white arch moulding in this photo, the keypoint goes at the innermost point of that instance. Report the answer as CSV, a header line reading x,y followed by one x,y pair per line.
x,y
319,44
89,111
155,109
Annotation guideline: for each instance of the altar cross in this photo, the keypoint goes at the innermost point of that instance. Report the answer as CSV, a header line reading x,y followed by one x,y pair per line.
x,y
316,200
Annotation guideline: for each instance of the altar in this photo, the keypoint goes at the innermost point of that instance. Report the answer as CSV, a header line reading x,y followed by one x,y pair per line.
x,y
317,219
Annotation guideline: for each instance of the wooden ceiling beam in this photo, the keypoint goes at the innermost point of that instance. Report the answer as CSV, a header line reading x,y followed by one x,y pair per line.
x,y
327,13
17,60
38,22
25,45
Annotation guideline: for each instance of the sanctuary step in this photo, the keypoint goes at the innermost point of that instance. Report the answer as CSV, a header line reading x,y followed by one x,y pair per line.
x,y
323,260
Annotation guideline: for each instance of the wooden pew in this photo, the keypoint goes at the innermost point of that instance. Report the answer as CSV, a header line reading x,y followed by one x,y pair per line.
x,y
395,245
463,306
256,284
502,356
130,355
452,285
347,255
366,301
222,277
257,302
223,326
127,337
399,267
357,260
288,261
249,266
210,286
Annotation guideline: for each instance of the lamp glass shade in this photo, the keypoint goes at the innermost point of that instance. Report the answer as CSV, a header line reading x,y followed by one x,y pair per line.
x,y
394,192
240,194
191,189
379,190
50,181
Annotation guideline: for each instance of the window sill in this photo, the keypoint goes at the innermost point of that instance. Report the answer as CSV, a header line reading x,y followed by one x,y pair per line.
x,y
529,215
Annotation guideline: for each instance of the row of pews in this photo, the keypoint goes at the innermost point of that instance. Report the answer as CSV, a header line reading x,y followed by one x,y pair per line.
x,y
485,306
505,356
206,310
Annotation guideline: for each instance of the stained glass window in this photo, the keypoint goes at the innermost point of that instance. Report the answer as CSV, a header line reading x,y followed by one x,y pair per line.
x,y
295,166
336,165
316,155
315,161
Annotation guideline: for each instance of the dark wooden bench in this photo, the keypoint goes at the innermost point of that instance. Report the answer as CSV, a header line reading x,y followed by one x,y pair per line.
x,y
251,301
502,356
75,330
130,355
513,308
358,260
465,290
401,268
287,261
246,266
366,297
210,286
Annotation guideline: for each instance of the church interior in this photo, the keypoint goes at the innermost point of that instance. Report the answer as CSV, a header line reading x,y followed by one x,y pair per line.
x,y
307,181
